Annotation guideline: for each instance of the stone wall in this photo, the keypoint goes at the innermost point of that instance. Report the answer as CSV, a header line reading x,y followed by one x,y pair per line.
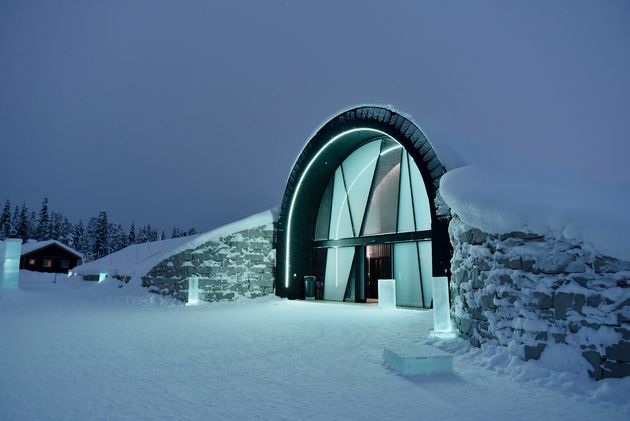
x,y
530,293
239,264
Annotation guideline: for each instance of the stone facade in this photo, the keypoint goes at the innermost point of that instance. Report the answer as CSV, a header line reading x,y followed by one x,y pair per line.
x,y
236,265
528,292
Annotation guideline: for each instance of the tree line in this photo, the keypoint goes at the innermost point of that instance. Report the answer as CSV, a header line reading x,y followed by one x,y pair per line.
x,y
98,238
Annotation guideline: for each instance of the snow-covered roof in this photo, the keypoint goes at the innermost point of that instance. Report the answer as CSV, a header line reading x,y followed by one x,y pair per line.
x,y
491,187
32,246
138,259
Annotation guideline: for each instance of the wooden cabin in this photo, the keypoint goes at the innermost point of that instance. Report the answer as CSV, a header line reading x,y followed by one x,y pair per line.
x,y
48,256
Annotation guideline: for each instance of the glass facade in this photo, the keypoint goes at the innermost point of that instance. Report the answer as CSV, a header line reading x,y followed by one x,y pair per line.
x,y
375,194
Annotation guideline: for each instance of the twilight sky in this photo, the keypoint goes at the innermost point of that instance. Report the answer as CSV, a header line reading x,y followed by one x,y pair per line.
x,y
192,112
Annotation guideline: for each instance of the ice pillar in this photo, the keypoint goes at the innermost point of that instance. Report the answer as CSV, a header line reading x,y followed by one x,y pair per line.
x,y
387,293
442,326
10,254
193,290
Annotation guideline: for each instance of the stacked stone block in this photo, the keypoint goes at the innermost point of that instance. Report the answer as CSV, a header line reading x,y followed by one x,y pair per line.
x,y
237,265
526,292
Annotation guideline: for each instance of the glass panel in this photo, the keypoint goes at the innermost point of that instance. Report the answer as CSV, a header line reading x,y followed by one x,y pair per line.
x,y
383,208
426,271
322,225
420,198
338,265
340,223
407,275
358,170
350,288
405,205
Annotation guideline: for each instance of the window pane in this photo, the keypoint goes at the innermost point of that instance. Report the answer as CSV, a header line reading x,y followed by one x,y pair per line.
x,y
323,215
338,266
358,170
383,208
420,198
407,275
405,205
340,224
426,271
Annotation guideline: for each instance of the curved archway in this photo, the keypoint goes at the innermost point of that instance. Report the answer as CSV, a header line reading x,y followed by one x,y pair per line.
x,y
316,166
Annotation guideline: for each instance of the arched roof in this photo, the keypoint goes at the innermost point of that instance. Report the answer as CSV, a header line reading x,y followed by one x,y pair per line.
x,y
323,153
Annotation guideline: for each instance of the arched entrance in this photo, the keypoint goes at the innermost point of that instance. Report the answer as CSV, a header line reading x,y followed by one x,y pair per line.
x,y
360,205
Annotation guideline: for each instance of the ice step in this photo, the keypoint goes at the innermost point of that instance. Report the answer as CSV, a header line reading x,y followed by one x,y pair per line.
x,y
418,359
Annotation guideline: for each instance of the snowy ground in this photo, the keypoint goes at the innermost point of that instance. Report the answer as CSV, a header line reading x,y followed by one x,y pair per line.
x,y
74,350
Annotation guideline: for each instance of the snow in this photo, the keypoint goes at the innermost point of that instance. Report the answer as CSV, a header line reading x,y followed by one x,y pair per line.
x,y
493,189
31,246
79,350
138,259
134,260
548,202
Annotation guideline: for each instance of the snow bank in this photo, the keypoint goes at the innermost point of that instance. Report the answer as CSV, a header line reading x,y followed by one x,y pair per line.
x,y
138,259
542,201
75,350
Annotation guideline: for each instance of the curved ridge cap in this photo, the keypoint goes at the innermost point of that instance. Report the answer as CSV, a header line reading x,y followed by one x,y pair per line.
x,y
355,107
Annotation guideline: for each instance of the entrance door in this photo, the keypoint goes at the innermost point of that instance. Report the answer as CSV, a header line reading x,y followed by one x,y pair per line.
x,y
378,265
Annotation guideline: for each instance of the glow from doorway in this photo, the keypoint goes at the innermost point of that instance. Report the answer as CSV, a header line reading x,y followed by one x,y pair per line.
x,y
297,191
345,199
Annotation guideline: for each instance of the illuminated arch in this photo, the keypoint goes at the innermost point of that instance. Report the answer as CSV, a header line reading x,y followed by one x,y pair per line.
x,y
321,156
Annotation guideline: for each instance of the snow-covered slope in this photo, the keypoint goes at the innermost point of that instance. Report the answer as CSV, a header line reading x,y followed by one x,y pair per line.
x,y
138,259
74,350
543,201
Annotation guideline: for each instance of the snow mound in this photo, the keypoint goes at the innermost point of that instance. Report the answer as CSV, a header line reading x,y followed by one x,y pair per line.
x,y
543,201
138,259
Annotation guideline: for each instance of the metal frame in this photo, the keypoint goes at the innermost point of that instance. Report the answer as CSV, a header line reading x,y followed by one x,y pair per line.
x,y
314,167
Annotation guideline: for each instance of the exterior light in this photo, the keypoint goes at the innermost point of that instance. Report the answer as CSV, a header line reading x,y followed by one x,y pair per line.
x,y
193,291
442,327
297,191
10,252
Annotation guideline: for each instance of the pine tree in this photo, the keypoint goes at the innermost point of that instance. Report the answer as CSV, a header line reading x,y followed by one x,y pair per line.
x,y
66,231
117,237
32,224
101,239
22,229
43,225
78,238
152,233
143,236
132,234
90,238
5,220
55,226
163,235
192,231
15,220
